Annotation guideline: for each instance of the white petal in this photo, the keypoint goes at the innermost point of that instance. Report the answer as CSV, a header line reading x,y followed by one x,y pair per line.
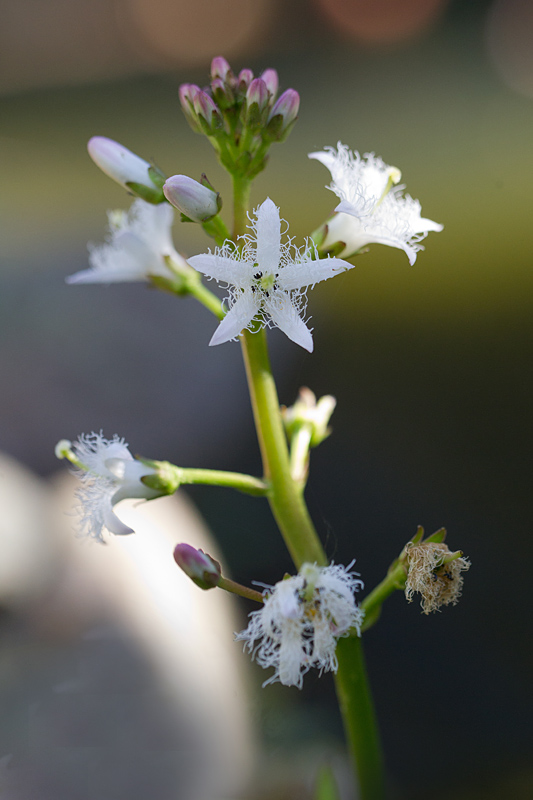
x,y
307,273
222,268
114,524
345,207
268,229
285,316
238,318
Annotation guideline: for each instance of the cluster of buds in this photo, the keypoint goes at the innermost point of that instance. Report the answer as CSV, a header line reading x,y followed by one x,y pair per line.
x,y
240,115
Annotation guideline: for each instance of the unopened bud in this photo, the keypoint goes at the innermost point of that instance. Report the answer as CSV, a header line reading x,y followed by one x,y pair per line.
x,y
200,567
207,112
245,78
257,97
283,115
222,93
306,411
187,93
221,69
126,168
197,202
270,77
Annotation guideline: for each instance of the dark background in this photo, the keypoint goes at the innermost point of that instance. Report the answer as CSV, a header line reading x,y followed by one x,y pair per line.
x,y
431,364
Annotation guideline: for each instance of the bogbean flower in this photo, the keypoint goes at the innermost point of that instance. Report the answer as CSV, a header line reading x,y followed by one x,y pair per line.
x,y
267,279
373,208
301,620
136,247
108,473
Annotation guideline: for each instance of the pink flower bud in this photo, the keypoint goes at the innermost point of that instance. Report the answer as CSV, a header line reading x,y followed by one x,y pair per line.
x,y
207,110
283,115
245,78
203,570
288,106
221,69
194,200
270,77
257,93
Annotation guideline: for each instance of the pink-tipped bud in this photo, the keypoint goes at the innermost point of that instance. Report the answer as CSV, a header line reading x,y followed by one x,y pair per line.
x,y
245,78
270,77
200,568
283,115
126,168
221,69
187,93
222,94
207,111
194,200
257,93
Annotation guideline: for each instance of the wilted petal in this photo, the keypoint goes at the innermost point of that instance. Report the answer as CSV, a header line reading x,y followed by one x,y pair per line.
x,y
237,319
268,228
286,317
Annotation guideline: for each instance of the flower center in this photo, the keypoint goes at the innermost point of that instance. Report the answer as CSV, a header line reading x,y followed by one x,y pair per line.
x,y
394,176
264,282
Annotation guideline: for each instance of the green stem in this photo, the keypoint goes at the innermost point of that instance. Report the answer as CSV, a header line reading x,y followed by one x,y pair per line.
x,y
358,715
214,477
371,605
241,200
285,496
242,591
288,506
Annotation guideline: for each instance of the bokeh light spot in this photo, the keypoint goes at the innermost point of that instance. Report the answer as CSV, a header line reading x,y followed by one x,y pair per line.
x,y
381,21
509,38
185,32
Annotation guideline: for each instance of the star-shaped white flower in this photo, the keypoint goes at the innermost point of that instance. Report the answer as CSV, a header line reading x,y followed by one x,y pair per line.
x,y
267,279
301,620
372,207
138,241
108,474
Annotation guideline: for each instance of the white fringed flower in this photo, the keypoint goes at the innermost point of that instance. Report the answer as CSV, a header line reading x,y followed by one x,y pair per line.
x,y
267,278
138,241
372,208
108,474
301,619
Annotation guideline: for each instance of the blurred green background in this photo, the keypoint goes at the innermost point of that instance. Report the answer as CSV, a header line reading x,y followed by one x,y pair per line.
x,y
431,364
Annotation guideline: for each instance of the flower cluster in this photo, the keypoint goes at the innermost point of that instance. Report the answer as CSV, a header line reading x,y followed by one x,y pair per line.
x,y
373,208
240,114
108,473
138,247
267,279
301,619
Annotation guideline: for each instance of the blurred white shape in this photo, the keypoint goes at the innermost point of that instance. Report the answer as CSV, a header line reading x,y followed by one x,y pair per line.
x,y
147,687
509,40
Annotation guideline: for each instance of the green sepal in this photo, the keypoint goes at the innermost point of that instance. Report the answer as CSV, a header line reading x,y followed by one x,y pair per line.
x,y
156,176
177,285
166,479
437,537
419,535
154,196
